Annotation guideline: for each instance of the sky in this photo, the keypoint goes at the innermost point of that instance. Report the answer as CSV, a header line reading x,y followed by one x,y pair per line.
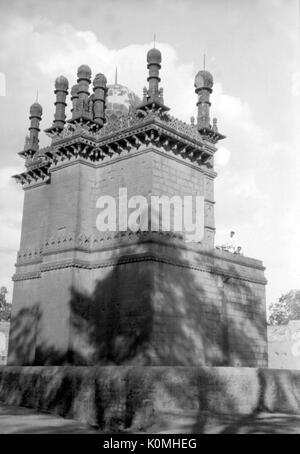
x,y
252,50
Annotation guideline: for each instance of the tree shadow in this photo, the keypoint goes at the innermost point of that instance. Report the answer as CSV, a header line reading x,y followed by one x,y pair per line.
x,y
154,308
23,334
113,324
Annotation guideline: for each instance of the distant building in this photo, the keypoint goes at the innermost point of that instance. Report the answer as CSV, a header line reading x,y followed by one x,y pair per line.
x,y
284,345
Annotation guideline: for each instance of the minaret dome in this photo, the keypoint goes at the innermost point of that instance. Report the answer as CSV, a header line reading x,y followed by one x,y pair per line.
x,y
204,79
84,72
74,90
36,110
61,83
154,56
100,81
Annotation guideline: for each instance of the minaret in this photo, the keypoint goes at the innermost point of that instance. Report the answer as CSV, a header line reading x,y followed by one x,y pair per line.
x,y
61,91
83,80
153,65
74,99
153,96
35,117
203,87
99,98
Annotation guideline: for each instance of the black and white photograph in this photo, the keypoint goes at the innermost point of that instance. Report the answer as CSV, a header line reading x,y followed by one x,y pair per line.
x,y
149,219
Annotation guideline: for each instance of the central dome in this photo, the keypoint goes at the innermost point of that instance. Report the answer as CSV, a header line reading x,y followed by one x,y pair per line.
x,y
120,99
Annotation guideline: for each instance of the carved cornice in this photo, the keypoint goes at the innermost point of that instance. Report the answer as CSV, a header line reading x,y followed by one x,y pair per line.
x,y
134,258
124,141
120,136
90,243
61,163
101,241
129,122
26,276
113,241
37,174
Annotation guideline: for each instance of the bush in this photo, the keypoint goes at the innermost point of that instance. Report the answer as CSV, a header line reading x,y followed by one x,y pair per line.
x,y
285,309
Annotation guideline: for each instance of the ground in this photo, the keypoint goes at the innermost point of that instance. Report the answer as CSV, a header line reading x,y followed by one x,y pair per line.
x,y
19,420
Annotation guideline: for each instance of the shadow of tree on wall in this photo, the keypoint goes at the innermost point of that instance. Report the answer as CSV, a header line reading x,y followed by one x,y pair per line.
x,y
23,335
158,312
112,325
144,313
161,313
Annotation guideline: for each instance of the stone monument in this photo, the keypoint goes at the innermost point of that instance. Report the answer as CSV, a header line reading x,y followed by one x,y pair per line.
x,y
127,297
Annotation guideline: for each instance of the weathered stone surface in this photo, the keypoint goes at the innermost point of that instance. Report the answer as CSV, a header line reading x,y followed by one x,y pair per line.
x,y
122,298
123,397
156,304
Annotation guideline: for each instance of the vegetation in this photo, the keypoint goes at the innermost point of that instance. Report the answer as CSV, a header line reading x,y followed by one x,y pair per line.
x,y
285,309
5,307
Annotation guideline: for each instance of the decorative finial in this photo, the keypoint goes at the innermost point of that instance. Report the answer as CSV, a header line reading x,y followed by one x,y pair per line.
x,y
116,76
192,120
203,62
215,125
154,39
35,117
74,99
161,94
61,92
145,92
83,111
154,65
153,96
99,99
203,87
37,96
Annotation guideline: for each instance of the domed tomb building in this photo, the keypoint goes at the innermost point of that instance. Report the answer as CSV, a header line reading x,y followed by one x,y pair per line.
x,y
134,292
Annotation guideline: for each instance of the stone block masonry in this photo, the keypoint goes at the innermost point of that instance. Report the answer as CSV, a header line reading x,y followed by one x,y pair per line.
x,y
144,298
86,297
118,398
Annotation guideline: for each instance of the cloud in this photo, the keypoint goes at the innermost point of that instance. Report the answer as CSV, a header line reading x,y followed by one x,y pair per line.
x,y
295,85
222,156
46,50
11,199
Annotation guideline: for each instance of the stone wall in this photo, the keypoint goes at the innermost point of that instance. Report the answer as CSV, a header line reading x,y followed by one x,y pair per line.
x,y
150,303
140,298
116,398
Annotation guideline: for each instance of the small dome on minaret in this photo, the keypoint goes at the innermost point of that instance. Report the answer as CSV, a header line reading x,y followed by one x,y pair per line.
x,y
100,80
74,90
204,79
61,83
36,110
154,56
84,72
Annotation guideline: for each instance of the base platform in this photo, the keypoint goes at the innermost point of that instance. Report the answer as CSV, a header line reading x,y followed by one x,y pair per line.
x,y
118,397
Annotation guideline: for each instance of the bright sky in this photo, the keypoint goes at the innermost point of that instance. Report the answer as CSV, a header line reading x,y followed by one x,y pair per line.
x,y
252,50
